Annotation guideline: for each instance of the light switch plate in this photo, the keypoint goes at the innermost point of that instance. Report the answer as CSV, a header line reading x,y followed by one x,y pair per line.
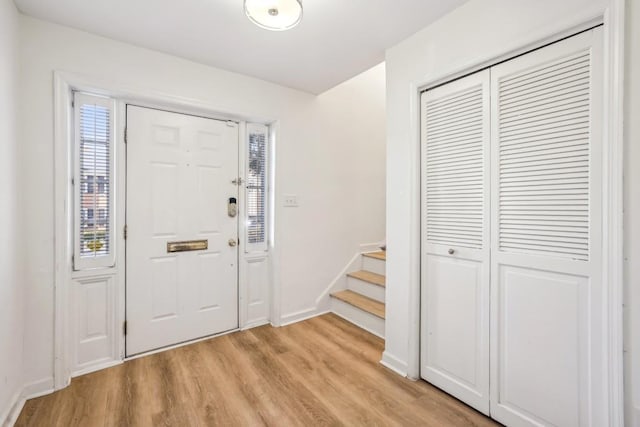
x,y
290,200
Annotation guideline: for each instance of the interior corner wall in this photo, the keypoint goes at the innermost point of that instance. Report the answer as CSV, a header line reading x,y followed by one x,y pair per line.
x,y
328,149
345,163
11,290
472,34
632,213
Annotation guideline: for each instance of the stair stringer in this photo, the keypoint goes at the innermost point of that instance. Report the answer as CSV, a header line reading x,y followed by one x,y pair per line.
x,y
323,302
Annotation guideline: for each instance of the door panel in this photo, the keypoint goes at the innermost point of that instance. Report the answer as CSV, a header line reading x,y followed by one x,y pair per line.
x,y
546,364
455,235
452,317
179,180
543,346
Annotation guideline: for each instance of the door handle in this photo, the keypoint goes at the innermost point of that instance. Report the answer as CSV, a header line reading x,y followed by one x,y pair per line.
x,y
233,242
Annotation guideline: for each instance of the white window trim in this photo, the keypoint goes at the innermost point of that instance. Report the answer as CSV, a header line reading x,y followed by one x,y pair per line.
x,y
108,260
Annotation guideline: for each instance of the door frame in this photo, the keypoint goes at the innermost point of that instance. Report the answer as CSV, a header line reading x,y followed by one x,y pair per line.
x,y
64,84
612,18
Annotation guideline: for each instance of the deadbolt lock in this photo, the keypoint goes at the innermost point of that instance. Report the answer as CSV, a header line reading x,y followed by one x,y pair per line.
x,y
232,207
233,242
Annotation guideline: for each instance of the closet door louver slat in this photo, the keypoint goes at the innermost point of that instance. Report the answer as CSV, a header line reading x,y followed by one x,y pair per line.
x,y
455,168
543,159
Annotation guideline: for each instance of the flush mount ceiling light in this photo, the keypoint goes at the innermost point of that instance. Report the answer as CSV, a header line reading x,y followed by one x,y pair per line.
x,y
274,15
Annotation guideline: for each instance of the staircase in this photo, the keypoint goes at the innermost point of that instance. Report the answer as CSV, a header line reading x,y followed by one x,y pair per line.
x,y
362,303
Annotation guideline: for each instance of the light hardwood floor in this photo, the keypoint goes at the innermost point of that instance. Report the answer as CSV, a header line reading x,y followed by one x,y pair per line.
x,y
323,371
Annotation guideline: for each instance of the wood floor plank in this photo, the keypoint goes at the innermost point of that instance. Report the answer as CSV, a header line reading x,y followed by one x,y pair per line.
x,y
323,371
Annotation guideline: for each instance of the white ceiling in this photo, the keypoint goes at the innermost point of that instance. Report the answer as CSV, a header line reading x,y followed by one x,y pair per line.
x,y
336,40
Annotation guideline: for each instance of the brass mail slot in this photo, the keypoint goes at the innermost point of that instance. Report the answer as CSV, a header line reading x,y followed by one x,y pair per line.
x,y
189,245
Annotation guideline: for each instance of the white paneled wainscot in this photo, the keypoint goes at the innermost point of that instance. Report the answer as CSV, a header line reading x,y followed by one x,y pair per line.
x,y
94,325
256,272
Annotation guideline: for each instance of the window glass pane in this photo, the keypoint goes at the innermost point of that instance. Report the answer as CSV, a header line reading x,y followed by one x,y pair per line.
x,y
95,177
256,187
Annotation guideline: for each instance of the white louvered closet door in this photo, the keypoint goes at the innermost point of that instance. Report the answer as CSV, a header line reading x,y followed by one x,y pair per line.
x,y
546,272
455,236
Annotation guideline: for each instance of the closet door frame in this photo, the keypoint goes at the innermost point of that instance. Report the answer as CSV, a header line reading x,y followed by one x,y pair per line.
x,y
612,18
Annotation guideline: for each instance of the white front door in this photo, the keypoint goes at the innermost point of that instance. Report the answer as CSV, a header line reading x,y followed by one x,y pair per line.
x,y
180,170
455,235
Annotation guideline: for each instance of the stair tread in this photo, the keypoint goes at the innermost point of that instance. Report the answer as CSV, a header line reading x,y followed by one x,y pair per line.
x,y
360,301
377,255
368,276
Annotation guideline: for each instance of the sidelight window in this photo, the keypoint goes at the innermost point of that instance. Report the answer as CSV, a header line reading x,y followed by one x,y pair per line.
x,y
94,142
256,187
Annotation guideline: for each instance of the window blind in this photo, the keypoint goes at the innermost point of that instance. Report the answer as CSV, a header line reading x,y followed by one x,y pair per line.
x,y
256,186
94,181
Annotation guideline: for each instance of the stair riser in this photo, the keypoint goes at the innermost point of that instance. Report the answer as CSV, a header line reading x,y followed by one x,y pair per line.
x,y
374,265
367,289
360,318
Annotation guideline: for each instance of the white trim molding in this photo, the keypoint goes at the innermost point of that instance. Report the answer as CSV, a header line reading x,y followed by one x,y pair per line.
x,y
38,388
301,315
20,397
10,415
395,364
614,19
63,223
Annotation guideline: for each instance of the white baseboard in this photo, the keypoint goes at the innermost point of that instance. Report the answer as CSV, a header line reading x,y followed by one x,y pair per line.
x,y
11,413
38,388
255,324
299,316
396,365
108,363
32,390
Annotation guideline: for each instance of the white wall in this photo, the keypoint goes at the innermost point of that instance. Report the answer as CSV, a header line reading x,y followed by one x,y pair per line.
x,y
343,159
330,152
632,213
474,33
11,289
